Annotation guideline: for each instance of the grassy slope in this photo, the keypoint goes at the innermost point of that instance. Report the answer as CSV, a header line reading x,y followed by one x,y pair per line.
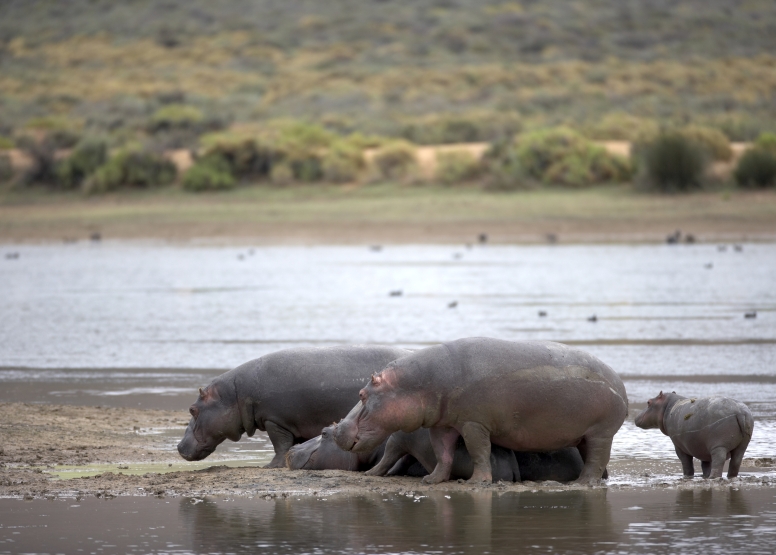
x,y
389,214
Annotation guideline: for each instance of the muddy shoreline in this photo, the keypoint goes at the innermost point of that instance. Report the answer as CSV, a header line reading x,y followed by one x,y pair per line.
x,y
37,439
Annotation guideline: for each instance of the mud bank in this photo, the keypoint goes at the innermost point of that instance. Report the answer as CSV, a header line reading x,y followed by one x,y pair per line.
x,y
38,442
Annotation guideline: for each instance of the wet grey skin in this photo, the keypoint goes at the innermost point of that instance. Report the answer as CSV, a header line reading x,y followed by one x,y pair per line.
x,y
397,454
535,396
291,394
711,429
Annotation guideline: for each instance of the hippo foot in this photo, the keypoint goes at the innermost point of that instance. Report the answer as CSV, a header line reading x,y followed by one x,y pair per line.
x,y
480,479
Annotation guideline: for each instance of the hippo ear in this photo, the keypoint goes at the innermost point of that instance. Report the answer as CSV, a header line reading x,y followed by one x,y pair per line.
x,y
201,393
247,416
377,379
660,396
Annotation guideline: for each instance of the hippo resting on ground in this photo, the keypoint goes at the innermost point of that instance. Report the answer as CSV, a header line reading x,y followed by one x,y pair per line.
x,y
712,429
411,454
525,396
291,394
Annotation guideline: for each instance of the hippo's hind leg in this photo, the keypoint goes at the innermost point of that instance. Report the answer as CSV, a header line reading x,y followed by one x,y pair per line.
x,y
477,440
443,442
393,452
282,440
718,457
688,469
736,457
595,452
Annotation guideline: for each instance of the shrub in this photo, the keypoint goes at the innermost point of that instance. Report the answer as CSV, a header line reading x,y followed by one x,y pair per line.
x,y
671,162
247,157
395,160
131,168
175,116
88,155
502,166
618,126
342,163
756,168
766,141
6,168
713,141
42,153
457,167
564,157
208,174
449,129
6,143
282,174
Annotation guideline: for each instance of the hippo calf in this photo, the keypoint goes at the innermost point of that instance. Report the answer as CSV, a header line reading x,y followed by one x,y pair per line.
x,y
526,396
711,429
291,394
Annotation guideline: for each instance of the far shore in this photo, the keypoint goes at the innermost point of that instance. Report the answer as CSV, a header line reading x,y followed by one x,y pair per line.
x,y
388,214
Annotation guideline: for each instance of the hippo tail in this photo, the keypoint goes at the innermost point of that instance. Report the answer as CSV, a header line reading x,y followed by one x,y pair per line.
x,y
745,423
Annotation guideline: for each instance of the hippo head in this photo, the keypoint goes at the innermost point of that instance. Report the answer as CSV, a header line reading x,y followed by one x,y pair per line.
x,y
214,417
384,408
321,453
652,416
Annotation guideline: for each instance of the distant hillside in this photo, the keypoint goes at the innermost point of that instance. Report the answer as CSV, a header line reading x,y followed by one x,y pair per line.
x,y
399,67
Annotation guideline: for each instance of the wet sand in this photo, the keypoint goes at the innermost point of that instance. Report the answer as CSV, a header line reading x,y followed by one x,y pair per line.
x,y
37,440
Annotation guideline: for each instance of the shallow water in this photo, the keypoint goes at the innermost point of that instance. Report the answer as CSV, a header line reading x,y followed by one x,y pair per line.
x,y
726,520
143,325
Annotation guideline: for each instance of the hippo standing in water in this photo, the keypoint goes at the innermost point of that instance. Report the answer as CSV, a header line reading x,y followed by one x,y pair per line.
x,y
291,394
525,396
711,429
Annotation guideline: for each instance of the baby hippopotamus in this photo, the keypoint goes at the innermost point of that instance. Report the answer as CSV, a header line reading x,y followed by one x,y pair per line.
x,y
711,429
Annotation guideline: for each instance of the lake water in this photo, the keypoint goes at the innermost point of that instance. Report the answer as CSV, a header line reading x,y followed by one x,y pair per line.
x,y
144,325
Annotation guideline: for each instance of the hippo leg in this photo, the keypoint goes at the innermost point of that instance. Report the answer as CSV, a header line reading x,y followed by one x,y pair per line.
x,y
595,452
706,467
736,457
402,468
443,442
718,458
393,453
282,440
477,440
688,469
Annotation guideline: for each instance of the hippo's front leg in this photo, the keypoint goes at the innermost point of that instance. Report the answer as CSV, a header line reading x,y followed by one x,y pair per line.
x,y
688,468
393,452
477,439
443,443
282,440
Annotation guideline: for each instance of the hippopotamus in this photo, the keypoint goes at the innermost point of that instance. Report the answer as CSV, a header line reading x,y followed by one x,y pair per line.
x,y
525,396
711,429
291,394
411,454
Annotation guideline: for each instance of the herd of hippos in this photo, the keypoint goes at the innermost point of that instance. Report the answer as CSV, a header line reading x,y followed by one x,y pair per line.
x,y
479,409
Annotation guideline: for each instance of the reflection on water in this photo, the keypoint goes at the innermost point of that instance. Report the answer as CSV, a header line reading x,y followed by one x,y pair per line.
x,y
725,520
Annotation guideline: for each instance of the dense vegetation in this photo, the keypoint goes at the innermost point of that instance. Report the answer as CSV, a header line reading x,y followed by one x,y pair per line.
x,y
143,76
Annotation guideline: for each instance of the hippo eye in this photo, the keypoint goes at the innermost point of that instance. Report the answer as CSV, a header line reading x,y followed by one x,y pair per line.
x,y
194,411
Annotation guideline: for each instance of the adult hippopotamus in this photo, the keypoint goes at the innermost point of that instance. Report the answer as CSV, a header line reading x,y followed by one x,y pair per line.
x,y
291,394
711,429
526,396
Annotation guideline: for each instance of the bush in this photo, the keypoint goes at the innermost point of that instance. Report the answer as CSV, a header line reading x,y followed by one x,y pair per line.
x,y
282,174
6,168
42,153
449,129
342,163
671,162
766,141
247,157
395,160
175,116
131,168
756,168
457,167
564,157
713,141
208,174
618,126
6,143
88,155
502,166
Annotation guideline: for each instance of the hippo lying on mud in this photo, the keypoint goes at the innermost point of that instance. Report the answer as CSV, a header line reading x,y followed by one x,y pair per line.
x,y
711,429
397,455
291,394
525,396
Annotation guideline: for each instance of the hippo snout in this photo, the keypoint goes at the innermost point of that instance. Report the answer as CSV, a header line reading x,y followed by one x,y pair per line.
x,y
345,435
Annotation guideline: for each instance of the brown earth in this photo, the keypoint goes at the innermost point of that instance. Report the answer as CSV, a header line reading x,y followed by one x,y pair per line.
x,y
37,440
